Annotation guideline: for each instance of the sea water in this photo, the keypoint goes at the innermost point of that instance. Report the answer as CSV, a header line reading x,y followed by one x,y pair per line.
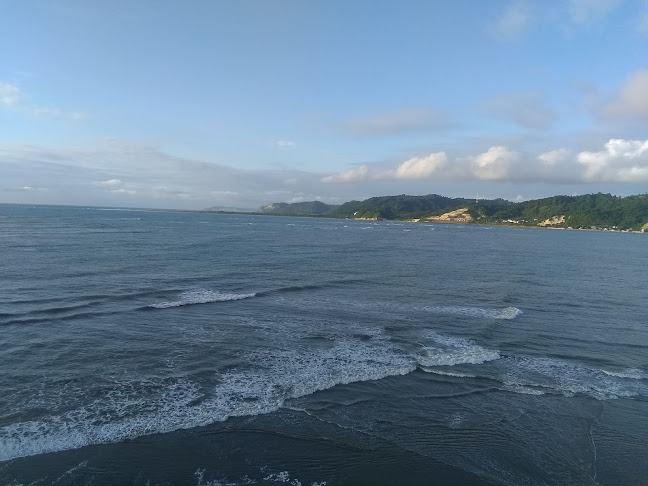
x,y
146,347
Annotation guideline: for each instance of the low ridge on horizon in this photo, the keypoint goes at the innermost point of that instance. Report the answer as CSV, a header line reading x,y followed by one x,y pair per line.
x,y
588,211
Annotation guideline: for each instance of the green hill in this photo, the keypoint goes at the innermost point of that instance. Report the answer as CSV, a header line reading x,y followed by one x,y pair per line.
x,y
598,210
591,210
396,207
310,208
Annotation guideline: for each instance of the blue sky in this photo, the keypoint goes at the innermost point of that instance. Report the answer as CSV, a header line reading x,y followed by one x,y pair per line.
x,y
243,103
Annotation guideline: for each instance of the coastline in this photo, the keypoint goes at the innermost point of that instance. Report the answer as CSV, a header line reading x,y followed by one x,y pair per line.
x,y
508,225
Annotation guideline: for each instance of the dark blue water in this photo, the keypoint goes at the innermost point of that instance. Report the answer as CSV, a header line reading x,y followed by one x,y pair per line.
x,y
145,347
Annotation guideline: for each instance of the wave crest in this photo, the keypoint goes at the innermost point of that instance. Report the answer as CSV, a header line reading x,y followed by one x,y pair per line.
x,y
201,296
507,313
450,351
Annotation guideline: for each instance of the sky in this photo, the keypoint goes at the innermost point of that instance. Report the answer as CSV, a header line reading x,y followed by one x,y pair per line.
x,y
190,105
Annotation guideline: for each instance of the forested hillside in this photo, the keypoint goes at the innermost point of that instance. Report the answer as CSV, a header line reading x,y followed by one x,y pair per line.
x,y
310,208
599,210
396,207
591,210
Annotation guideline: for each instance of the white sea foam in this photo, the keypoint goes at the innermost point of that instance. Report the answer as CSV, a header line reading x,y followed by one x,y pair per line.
x,y
447,373
262,387
524,390
451,357
450,351
282,477
506,313
201,481
201,296
630,373
101,421
570,378
272,376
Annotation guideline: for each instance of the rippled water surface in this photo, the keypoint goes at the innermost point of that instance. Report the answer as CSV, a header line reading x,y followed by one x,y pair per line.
x,y
143,347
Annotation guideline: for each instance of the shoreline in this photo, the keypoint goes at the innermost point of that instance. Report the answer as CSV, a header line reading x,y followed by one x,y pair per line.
x,y
505,225
254,213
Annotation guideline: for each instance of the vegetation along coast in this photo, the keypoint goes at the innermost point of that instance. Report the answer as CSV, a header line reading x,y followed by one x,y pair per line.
x,y
602,212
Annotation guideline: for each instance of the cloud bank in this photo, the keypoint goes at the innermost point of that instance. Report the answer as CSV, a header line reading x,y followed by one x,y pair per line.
x,y
135,175
618,161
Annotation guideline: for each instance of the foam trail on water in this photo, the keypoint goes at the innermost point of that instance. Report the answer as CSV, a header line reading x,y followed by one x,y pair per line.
x,y
450,351
507,313
569,378
447,373
524,390
270,378
201,296
631,373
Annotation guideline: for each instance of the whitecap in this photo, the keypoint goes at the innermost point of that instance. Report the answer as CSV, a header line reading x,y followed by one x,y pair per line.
x,y
450,351
524,390
201,296
506,313
263,386
630,373
447,373
570,378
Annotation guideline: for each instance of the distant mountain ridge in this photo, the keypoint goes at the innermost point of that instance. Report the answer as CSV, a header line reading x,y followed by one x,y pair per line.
x,y
590,211
310,208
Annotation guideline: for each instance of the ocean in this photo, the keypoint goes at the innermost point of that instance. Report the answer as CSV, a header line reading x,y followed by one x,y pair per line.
x,y
160,348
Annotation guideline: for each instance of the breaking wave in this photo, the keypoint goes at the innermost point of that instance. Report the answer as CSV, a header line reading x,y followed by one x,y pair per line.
x,y
632,373
271,377
507,313
447,373
569,379
262,386
450,351
201,296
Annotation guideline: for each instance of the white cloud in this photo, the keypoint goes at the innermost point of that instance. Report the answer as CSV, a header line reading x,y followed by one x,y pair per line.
x,y
619,161
554,157
403,120
136,175
586,11
10,96
354,175
109,183
421,167
513,21
13,99
528,109
122,190
494,164
149,178
30,188
285,144
632,99
413,168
